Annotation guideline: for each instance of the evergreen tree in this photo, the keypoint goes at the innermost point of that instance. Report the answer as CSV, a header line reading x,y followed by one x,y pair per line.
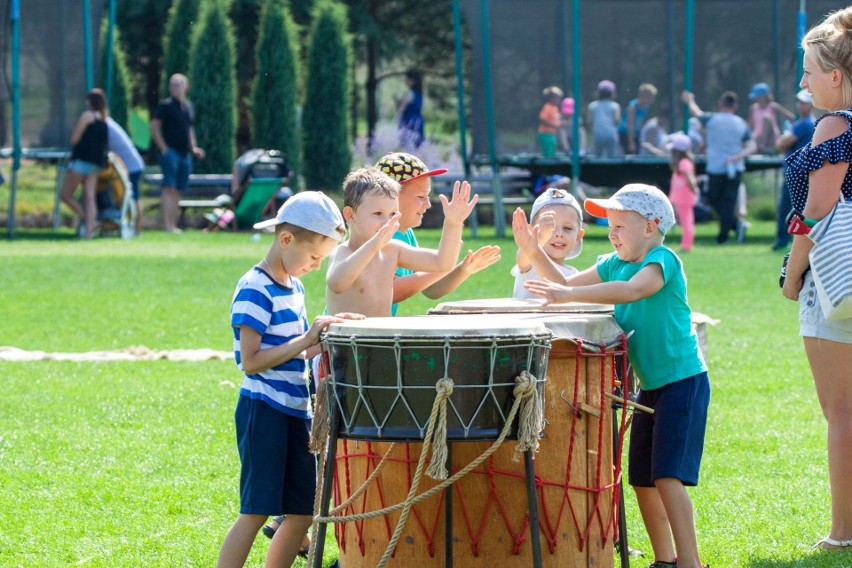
x,y
276,86
212,89
182,16
325,122
119,91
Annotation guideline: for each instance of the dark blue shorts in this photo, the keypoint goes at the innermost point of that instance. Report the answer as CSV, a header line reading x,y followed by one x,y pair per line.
x,y
134,184
669,443
176,169
279,474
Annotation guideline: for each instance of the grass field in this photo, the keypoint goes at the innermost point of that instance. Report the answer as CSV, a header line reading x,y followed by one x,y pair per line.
x,y
134,463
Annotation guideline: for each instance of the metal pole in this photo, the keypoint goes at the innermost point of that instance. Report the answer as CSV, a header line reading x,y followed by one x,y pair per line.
x,y
803,27
532,506
87,44
670,48
578,95
776,50
448,514
109,52
687,63
457,38
499,221
16,113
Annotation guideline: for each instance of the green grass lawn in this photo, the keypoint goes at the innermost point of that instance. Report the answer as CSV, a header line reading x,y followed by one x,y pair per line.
x,y
134,463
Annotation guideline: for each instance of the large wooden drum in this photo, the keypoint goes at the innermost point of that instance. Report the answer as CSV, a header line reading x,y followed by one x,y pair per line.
x,y
575,474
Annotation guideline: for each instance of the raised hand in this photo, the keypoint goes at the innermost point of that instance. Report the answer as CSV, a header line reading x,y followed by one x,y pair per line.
x,y
546,226
526,236
384,235
481,259
459,208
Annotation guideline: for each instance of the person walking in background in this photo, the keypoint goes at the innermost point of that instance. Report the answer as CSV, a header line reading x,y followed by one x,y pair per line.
x,y
798,136
683,190
122,145
729,141
410,112
173,133
88,158
817,175
634,117
549,121
603,116
763,118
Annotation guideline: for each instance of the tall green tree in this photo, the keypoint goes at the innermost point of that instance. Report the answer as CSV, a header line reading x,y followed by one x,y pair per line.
x,y
142,23
176,43
212,88
119,91
276,86
325,121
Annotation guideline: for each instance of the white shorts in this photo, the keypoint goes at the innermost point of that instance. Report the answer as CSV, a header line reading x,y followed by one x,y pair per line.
x,y
812,322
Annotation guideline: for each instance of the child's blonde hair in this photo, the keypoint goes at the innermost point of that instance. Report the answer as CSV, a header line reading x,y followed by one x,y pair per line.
x,y
366,180
552,91
647,89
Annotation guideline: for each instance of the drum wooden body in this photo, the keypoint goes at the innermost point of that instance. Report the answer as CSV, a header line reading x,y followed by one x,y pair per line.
x,y
576,479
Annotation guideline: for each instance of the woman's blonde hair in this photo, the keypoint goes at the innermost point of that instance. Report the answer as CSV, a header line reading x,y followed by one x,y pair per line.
x,y
830,42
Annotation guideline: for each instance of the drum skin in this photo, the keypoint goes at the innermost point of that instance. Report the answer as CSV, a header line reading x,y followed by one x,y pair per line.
x,y
575,474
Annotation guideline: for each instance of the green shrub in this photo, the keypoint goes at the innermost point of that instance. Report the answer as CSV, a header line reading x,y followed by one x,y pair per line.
x,y
213,89
325,121
276,86
119,92
176,43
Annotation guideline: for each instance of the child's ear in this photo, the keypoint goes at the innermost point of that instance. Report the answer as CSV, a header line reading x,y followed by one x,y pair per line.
x,y
285,238
348,212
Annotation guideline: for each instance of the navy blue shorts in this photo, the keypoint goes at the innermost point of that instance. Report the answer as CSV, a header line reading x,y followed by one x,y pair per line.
x,y
176,169
669,443
278,474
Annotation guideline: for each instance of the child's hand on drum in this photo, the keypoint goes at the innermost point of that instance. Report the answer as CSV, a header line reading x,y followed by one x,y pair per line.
x,y
481,259
458,209
319,325
350,316
552,292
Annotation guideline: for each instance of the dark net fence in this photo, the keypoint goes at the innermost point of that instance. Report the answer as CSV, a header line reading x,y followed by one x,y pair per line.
x,y
736,43
52,69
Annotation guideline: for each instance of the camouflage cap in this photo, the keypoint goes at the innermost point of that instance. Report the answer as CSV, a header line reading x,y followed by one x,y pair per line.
x,y
404,167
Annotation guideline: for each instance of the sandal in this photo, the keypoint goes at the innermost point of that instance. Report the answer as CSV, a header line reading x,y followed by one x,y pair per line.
x,y
832,544
268,530
663,564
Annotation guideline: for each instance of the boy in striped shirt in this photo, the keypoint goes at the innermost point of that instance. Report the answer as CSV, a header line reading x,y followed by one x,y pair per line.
x,y
272,343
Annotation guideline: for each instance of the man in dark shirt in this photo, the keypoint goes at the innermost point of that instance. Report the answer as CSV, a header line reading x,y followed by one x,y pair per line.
x,y
173,132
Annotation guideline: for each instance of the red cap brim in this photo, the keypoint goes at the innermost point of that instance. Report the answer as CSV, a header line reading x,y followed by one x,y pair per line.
x,y
430,173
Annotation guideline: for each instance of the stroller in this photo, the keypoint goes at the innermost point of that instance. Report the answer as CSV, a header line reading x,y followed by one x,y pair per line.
x,y
114,199
257,188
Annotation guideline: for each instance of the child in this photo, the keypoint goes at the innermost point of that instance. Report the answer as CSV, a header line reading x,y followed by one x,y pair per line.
x,y
549,121
683,192
645,281
633,120
415,186
272,341
603,117
555,234
763,118
361,270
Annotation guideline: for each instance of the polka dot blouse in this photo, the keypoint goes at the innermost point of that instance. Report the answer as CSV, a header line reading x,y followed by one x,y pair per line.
x,y
810,158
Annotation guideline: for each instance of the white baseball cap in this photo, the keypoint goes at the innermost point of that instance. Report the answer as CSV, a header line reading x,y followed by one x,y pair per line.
x,y
805,97
646,200
558,196
311,210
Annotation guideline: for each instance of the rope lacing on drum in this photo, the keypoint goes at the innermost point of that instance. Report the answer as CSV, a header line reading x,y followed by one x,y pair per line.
x,y
525,388
438,466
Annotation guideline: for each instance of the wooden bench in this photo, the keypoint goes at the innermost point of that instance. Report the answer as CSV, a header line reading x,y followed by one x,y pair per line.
x,y
516,189
203,191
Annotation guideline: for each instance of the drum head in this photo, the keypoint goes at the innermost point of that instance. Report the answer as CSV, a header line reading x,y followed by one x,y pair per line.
x,y
479,325
511,305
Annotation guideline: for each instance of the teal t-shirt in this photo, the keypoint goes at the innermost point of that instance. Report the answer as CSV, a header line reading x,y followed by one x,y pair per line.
x,y
408,238
663,348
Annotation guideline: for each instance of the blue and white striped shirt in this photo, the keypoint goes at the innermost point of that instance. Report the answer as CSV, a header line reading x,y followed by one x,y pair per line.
x,y
277,313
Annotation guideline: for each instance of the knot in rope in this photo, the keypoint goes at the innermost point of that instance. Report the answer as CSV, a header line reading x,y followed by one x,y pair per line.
x,y
531,420
438,465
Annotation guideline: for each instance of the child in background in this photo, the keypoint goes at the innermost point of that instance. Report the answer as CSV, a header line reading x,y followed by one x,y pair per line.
x,y
554,235
415,186
549,121
763,118
634,118
683,191
272,342
566,132
604,114
361,270
645,281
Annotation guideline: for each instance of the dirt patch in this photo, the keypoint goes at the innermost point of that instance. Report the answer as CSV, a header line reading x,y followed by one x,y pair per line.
x,y
137,353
